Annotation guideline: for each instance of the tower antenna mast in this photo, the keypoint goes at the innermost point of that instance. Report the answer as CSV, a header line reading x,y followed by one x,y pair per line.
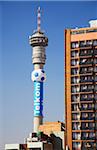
x,y
38,19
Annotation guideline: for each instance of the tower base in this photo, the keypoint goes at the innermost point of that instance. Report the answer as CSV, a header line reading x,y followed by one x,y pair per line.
x,y
37,122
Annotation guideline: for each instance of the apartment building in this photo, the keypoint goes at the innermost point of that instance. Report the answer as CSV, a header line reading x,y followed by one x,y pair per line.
x,y
81,87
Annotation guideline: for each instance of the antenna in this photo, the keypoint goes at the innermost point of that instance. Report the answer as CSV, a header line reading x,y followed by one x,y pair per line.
x,y
38,20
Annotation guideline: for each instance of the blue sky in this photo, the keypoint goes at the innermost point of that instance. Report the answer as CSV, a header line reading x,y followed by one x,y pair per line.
x,y
18,20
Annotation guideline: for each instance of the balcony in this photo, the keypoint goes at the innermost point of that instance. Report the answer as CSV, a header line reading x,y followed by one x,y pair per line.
x,y
87,88
86,79
87,97
88,126
87,43
87,106
84,126
83,107
88,136
89,145
87,52
87,116
86,61
87,70
83,44
84,97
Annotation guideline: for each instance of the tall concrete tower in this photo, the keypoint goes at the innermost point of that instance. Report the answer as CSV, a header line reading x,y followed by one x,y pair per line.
x,y
38,41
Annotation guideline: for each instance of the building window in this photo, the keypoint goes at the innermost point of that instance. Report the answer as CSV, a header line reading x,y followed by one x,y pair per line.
x,y
74,53
75,98
95,61
76,116
76,145
95,78
95,43
74,62
84,106
76,126
95,106
95,87
91,126
95,51
83,70
95,96
92,135
89,42
85,136
82,43
75,89
96,116
76,136
74,71
91,116
90,96
74,45
74,80
75,107
88,126
84,116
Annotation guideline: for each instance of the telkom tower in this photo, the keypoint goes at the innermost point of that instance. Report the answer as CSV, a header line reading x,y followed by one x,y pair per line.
x,y
38,41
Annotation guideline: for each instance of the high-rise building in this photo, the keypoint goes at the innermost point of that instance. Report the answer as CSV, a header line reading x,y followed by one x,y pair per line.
x,y
81,87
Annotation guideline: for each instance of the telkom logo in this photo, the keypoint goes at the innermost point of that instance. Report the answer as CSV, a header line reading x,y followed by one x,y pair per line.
x,y
38,98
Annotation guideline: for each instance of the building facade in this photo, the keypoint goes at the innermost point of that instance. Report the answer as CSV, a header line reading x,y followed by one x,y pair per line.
x,y
81,87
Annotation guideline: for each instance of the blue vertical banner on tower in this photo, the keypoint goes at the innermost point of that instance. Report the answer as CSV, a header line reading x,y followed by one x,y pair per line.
x,y
38,98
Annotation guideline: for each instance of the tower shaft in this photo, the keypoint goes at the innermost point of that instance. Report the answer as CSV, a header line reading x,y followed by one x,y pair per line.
x,y
38,41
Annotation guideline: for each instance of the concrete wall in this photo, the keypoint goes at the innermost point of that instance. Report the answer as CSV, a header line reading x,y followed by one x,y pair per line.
x,y
58,140
50,127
